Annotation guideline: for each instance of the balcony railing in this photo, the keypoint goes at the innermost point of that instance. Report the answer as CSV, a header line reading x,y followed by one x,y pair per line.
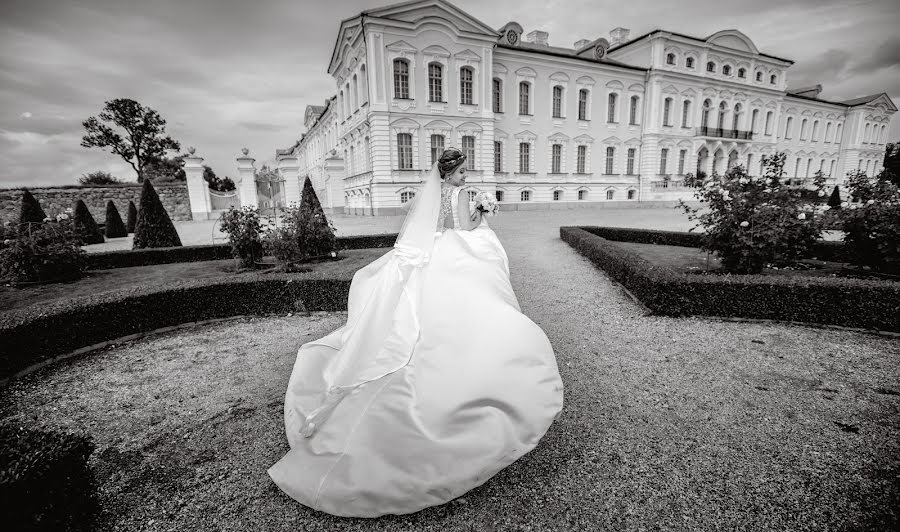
x,y
724,133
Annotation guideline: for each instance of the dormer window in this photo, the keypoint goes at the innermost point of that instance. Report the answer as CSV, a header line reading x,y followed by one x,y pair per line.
x,y
726,70
742,73
670,59
710,67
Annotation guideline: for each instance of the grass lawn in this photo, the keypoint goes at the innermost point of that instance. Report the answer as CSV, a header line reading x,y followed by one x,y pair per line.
x,y
97,281
694,260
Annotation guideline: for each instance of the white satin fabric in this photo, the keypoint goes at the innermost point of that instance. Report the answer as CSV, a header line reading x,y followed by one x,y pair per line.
x,y
477,390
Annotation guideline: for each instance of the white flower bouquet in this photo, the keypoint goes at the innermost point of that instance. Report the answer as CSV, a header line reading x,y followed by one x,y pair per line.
x,y
486,203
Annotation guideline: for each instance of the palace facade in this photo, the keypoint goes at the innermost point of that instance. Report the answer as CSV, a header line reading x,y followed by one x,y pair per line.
x,y
617,119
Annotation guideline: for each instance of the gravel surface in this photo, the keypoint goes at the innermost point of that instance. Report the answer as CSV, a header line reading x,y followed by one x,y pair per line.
x,y
669,424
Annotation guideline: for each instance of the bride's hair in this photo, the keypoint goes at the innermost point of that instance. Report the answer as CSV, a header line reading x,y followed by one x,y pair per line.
x,y
450,160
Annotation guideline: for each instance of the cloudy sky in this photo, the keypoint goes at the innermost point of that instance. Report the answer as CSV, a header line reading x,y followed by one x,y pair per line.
x,y
226,74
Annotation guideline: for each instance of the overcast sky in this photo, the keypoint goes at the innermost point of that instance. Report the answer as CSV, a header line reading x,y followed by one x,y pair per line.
x,y
226,74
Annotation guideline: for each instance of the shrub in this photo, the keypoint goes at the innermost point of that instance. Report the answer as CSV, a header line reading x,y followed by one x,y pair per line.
x,y
153,228
45,482
834,201
872,226
132,217
114,226
753,221
314,232
48,251
244,231
86,227
98,178
31,211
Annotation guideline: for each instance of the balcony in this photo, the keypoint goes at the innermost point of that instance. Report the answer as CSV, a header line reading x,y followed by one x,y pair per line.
x,y
721,133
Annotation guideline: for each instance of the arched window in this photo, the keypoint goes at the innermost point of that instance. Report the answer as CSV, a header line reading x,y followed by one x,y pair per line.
x,y
670,59
524,103
557,101
803,129
710,67
582,104
704,118
689,62
631,194
736,118
633,112
611,108
759,76
404,151
831,168
406,196
667,112
525,195
815,131
355,92
582,194
365,84
788,126
773,78
466,75
720,123
797,167
883,134
742,73
749,163
347,97
827,137
685,113
497,95
435,82
401,79
557,195
769,116
726,70
866,135
839,133
499,195
610,194
663,159
342,106
808,167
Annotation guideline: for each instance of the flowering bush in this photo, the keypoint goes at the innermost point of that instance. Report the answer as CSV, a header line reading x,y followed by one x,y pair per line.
x,y
754,221
244,234
871,224
48,251
306,233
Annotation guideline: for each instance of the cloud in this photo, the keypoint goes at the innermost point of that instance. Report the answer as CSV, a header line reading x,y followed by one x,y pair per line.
x,y
887,55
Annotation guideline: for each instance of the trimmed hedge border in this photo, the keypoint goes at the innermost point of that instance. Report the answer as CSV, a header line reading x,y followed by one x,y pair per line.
x,y
857,303
105,260
34,334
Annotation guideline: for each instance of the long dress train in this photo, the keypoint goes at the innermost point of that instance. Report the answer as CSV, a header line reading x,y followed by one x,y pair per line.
x,y
478,392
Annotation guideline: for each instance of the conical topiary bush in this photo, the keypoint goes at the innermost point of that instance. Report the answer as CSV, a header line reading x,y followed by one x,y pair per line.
x,y
31,210
314,233
153,228
114,226
85,226
835,200
132,217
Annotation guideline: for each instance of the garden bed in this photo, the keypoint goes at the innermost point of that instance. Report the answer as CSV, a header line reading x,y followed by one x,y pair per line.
x,y
847,302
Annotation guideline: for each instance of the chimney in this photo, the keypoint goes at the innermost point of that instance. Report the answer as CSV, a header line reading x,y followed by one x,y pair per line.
x,y
618,36
581,43
537,37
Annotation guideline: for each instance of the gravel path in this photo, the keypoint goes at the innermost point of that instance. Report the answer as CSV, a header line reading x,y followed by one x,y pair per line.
x,y
669,424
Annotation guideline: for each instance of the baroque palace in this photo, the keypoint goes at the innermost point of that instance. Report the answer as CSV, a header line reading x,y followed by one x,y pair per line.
x,y
617,119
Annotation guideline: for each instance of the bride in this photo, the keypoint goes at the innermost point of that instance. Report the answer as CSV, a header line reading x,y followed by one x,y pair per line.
x,y
436,382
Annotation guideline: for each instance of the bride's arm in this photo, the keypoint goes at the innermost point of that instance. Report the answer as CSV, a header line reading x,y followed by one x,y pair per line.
x,y
469,220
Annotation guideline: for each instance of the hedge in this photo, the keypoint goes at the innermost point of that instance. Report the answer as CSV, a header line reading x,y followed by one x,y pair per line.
x,y
40,332
45,482
106,260
858,303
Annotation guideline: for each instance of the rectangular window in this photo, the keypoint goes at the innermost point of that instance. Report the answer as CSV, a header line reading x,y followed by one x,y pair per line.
x,y
610,159
582,194
582,104
404,150
749,163
401,79
498,155
523,98
525,195
435,81
498,93
465,85
499,195
524,157
556,159
557,195
663,156
468,149
437,147
581,159
667,112
769,123
557,101
611,108
630,169
685,113
632,115
682,155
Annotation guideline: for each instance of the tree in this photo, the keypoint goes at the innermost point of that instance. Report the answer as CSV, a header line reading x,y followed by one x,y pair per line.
x,y
154,228
834,201
314,232
165,169
215,183
892,163
143,127
98,178
85,226
114,226
31,210
132,217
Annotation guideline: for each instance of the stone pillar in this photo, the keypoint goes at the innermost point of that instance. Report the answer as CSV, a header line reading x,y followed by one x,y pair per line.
x,y
197,187
289,168
247,179
332,191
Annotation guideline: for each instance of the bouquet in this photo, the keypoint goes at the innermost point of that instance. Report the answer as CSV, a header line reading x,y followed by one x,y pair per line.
x,y
487,204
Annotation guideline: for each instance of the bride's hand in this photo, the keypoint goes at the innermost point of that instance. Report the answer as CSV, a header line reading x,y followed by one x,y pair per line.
x,y
476,217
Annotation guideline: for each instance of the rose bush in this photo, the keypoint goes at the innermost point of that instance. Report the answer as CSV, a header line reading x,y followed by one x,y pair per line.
x,y
871,223
755,221
245,231
48,251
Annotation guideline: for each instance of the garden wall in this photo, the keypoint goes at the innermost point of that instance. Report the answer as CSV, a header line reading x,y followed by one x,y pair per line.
x,y
54,200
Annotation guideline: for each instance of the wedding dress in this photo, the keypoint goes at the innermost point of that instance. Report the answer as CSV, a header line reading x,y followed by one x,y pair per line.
x,y
436,382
